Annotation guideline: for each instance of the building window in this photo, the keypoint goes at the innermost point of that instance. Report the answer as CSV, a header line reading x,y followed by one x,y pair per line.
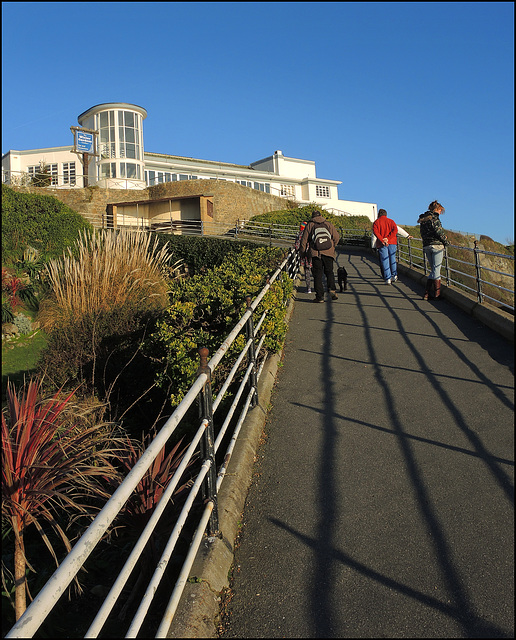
x,y
130,170
108,170
128,135
287,190
322,192
260,186
69,173
107,134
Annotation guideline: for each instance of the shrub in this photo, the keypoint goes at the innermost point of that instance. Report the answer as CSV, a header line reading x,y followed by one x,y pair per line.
x,y
204,309
201,254
23,323
101,302
41,221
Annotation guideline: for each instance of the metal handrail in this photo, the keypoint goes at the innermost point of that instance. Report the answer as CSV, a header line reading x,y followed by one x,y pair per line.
x,y
415,257
208,481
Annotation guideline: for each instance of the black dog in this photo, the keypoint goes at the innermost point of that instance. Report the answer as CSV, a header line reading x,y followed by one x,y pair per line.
x,y
342,277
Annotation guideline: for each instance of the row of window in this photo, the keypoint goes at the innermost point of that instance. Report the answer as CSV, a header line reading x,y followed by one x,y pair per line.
x,y
129,170
132,171
67,173
158,177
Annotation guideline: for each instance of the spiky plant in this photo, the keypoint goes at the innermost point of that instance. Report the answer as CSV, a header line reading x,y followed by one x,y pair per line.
x,y
50,471
106,271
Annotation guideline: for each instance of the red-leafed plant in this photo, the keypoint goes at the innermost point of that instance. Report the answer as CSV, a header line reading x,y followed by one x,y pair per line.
x,y
151,487
50,471
146,496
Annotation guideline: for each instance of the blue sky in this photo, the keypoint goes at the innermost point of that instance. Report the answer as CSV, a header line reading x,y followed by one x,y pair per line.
x,y
403,102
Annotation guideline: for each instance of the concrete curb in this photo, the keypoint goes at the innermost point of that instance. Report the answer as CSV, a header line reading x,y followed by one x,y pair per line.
x,y
498,320
197,615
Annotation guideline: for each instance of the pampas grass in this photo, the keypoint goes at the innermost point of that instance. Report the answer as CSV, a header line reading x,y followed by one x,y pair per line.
x,y
106,271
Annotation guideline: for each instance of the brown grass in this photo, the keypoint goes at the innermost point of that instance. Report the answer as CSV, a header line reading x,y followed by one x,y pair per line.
x,y
108,270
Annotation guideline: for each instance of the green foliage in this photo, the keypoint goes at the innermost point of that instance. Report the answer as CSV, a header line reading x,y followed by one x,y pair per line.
x,y
201,254
204,309
23,323
41,221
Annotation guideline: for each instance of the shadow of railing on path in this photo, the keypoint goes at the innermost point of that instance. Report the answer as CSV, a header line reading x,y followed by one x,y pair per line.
x,y
461,607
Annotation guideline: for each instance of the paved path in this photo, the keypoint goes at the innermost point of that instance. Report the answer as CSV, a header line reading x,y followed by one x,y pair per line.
x,y
382,504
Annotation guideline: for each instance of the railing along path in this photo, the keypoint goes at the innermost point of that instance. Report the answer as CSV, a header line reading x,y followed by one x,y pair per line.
x,y
209,478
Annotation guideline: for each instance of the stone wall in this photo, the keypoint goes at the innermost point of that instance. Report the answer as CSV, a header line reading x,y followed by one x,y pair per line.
x,y
231,201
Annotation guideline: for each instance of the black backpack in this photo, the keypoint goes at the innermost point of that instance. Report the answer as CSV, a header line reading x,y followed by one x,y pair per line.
x,y
321,239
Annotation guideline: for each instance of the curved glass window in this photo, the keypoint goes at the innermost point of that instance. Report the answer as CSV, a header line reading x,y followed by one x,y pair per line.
x,y
129,135
107,134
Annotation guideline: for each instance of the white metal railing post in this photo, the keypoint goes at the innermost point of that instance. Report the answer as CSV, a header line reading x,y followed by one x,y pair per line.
x,y
249,330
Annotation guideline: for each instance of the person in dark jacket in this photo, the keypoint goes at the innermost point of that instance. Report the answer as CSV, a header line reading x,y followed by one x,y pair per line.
x,y
434,240
321,260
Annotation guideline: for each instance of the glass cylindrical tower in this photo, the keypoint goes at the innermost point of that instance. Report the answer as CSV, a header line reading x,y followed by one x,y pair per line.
x,y
120,164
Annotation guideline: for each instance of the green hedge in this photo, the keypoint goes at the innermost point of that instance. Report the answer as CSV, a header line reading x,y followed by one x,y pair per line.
x,y
40,221
205,307
201,254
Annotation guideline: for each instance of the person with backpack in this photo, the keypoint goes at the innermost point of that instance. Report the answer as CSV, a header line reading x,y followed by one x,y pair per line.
x,y
318,243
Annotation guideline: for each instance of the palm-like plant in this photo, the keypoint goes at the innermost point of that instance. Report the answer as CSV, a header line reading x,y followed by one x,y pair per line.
x,y
49,468
144,499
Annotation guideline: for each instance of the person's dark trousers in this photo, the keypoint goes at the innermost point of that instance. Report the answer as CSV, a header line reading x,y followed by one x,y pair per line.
x,y
321,265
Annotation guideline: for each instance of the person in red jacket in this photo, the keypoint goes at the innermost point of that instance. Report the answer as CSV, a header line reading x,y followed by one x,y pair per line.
x,y
386,231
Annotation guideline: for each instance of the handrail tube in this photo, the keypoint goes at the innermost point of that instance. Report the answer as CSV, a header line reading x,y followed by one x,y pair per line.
x,y
162,565
249,329
54,588
207,451
231,446
230,377
234,404
131,561
181,582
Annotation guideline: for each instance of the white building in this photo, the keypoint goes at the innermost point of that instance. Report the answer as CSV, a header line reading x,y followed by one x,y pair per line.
x,y
122,163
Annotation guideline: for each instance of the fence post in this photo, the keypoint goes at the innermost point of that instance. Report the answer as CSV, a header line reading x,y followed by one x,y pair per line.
x,y
207,448
424,262
409,252
270,236
249,332
478,270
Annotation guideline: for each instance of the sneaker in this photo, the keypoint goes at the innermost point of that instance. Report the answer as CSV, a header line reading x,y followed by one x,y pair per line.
x,y
334,296
395,278
318,300
309,291
388,281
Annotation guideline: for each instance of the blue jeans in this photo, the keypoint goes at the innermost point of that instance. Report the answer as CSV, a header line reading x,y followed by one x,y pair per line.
x,y
434,254
388,260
